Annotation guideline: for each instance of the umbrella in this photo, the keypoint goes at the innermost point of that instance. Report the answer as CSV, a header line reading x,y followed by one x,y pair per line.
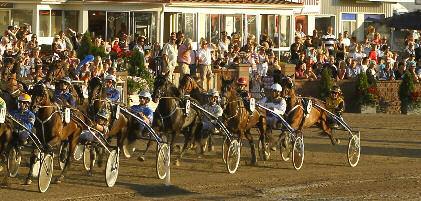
x,y
405,21
87,59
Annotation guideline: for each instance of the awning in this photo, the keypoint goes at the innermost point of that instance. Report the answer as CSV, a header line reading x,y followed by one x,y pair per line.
x,y
410,20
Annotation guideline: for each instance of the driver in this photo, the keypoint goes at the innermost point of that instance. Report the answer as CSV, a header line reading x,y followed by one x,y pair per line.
x,y
276,103
244,94
214,108
335,103
112,93
62,92
25,117
142,110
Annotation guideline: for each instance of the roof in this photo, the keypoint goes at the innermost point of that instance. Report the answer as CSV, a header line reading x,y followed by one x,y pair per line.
x,y
281,2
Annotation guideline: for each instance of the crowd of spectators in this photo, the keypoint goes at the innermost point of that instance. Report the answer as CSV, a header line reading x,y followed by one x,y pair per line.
x,y
346,57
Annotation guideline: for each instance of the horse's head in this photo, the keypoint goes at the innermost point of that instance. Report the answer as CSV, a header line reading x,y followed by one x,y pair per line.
x,y
288,86
228,91
94,89
187,84
40,95
163,87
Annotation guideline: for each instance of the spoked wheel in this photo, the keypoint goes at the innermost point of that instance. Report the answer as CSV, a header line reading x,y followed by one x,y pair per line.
x,y
78,154
111,170
286,148
233,156
354,150
13,161
298,153
87,160
45,173
162,161
62,155
225,146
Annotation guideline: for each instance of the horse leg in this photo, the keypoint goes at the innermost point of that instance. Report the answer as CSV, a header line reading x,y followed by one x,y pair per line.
x,y
328,131
73,141
32,160
252,147
185,145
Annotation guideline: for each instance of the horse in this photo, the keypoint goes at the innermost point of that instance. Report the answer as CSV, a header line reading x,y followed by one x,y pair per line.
x,y
295,114
118,125
50,128
239,121
169,116
188,86
6,141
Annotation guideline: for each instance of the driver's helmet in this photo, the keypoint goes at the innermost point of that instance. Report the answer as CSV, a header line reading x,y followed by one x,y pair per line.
x,y
24,98
242,81
111,77
103,114
145,94
336,89
213,93
276,87
66,80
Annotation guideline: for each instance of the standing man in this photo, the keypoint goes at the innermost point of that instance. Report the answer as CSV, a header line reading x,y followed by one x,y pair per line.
x,y
184,58
205,62
329,40
169,56
299,31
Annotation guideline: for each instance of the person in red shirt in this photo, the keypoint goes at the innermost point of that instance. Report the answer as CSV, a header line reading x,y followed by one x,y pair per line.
x,y
373,53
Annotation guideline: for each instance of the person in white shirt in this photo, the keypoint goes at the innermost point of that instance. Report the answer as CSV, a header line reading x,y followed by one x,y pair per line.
x,y
169,56
345,40
276,103
223,44
205,63
299,31
208,127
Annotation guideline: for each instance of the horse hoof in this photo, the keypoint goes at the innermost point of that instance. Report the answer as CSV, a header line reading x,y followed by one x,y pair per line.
x,y
338,141
126,152
273,148
177,163
266,156
1,168
28,181
141,158
211,148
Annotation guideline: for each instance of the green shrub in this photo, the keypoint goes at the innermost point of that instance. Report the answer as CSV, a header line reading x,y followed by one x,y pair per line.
x,y
87,47
407,93
326,83
366,92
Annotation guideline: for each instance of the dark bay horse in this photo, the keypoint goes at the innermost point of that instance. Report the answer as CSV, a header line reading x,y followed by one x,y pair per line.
x,y
6,141
295,111
169,116
118,126
50,127
240,122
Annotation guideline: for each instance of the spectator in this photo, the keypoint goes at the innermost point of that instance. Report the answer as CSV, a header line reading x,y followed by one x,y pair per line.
x,y
295,49
223,43
342,70
329,40
400,71
262,64
310,74
411,69
205,61
299,31
316,41
353,70
169,56
387,73
373,53
371,72
184,58
300,71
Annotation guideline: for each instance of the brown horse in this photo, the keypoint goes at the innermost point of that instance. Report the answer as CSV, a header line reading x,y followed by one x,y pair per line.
x,y
295,112
6,141
239,121
50,128
169,116
118,125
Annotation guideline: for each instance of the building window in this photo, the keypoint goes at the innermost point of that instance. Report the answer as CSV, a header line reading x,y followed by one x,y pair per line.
x,y
19,17
277,28
117,24
187,25
251,25
96,21
145,25
4,19
51,22
349,23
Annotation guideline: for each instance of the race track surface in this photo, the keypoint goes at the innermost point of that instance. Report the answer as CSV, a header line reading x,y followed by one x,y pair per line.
x,y
389,169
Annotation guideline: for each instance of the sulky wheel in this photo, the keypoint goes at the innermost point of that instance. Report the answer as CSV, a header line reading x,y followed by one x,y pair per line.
x,y
233,156
13,161
87,158
354,150
225,145
63,154
78,153
111,169
286,147
45,173
162,161
298,153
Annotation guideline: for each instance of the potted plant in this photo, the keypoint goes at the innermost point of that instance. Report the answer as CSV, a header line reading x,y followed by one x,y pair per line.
x,y
367,94
410,99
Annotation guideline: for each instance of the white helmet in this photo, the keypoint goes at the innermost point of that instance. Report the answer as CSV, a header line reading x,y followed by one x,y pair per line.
x,y
145,94
276,87
213,92
111,77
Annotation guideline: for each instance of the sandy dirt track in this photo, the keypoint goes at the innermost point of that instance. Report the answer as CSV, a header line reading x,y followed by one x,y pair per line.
x,y
389,169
